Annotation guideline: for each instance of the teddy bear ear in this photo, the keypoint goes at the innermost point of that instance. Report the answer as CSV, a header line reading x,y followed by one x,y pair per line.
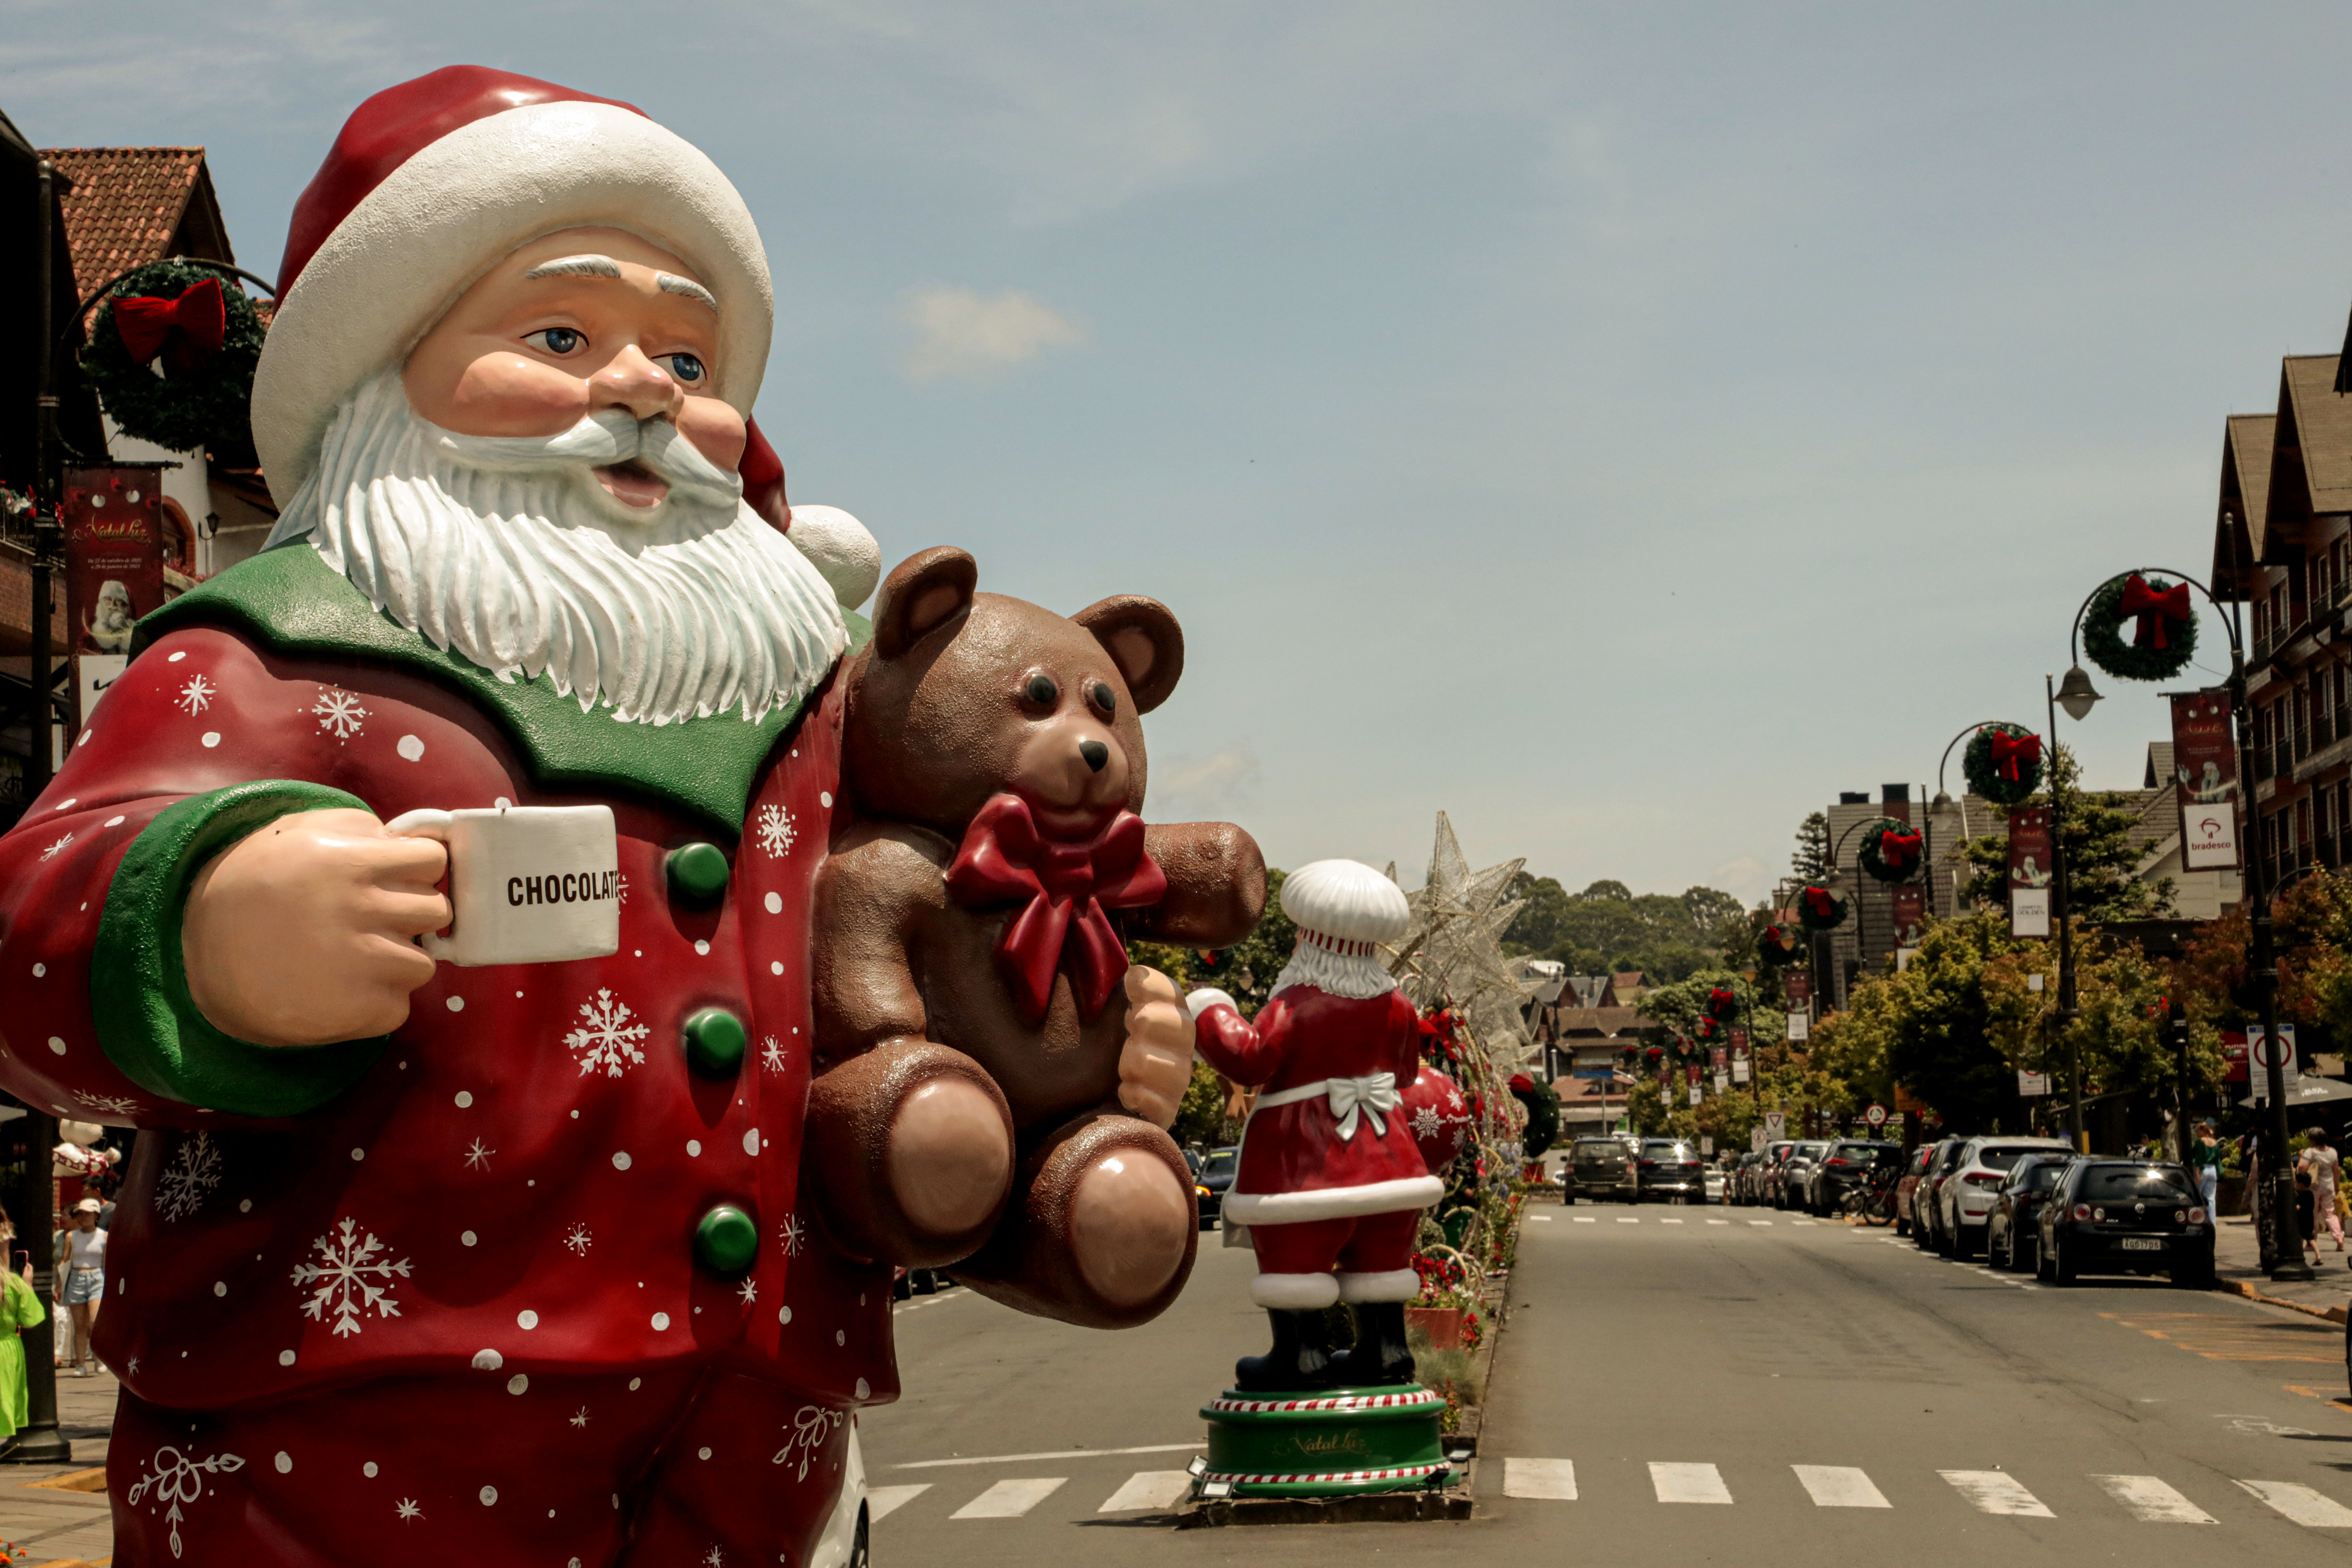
x,y
1144,641
919,594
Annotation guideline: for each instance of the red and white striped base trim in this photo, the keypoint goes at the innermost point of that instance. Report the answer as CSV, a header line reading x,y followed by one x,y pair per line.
x,y
1340,945
1340,1403
1327,1478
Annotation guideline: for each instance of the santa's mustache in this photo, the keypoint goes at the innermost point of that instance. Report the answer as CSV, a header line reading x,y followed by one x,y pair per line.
x,y
603,439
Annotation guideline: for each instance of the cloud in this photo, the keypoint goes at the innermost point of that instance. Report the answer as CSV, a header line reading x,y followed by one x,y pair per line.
x,y
1747,878
972,339
1220,781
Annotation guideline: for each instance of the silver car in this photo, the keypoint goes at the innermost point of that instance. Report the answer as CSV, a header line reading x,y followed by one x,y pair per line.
x,y
1965,1199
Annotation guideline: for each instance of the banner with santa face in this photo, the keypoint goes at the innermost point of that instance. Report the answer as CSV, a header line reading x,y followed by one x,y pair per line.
x,y
2029,871
114,567
1910,913
2205,767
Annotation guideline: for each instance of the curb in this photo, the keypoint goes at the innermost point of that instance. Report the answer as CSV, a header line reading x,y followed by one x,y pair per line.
x,y
2239,1288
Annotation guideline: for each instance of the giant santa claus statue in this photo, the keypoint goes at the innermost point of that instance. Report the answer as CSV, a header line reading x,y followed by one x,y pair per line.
x,y
1333,1183
486,1248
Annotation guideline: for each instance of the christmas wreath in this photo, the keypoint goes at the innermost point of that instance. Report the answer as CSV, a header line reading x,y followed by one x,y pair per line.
x,y
1890,850
1818,909
172,353
1722,1005
2163,629
1779,945
2003,762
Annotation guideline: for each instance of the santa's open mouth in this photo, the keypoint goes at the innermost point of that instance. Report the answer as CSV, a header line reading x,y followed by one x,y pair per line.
x,y
633,484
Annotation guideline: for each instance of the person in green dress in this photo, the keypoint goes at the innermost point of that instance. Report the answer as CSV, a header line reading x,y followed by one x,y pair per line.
x,y
20,1309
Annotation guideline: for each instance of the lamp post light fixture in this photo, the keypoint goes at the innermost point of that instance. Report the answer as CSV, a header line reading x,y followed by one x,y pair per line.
x,y
2281,1252
2075,692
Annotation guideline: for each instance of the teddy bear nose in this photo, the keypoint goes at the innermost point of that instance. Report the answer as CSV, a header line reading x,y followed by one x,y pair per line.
x,y
1095,752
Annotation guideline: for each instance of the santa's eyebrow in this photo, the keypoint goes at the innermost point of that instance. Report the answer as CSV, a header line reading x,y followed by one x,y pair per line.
x,y
671,283
587,265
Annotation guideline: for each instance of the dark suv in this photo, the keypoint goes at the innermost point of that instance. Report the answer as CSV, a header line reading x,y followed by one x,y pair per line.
x,y
2125,1217
1845,1165
2013,1230
1599,1168
1671,1168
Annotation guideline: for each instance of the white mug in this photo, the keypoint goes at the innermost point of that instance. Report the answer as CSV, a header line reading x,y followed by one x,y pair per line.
x,y
528,884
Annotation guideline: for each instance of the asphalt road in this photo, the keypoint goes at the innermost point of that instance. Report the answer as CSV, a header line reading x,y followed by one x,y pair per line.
x,y
1758,1389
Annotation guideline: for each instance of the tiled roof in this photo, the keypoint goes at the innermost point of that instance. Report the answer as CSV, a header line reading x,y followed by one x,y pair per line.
x,y
1606,1021
126,206
2322,431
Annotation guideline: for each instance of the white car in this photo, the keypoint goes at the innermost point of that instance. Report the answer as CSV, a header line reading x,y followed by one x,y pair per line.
x,y
1715,1186
1963,1202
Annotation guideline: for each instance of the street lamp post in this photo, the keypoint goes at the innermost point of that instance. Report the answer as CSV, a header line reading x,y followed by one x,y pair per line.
x,y
2281,1255
2067,1011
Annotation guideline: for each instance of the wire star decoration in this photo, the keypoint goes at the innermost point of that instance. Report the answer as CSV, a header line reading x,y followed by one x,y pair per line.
x,y
1453,952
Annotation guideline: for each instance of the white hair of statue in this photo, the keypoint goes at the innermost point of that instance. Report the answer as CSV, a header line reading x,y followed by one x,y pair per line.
x,y
508,551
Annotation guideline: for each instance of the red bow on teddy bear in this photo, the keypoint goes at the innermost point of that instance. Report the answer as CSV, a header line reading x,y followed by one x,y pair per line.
x,y
1068,884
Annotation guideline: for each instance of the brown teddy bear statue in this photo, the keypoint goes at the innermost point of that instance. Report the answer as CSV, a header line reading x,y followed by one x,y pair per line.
x,y
978,1100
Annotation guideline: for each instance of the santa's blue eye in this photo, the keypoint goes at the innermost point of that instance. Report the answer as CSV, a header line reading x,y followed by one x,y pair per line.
x,y
557,341
685,367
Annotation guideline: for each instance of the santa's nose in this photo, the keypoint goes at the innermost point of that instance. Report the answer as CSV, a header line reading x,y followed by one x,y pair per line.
x,y
1095,752
631,381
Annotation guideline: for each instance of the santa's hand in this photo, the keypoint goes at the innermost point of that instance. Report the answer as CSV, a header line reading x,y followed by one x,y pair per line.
x,y
1155,1066
301,934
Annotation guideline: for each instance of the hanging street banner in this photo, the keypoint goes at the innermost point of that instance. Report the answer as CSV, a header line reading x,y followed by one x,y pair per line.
x,y
1718,1056
1799,985
2029,871
2233,1049
114,568
1910,913
1800,1026
2205,767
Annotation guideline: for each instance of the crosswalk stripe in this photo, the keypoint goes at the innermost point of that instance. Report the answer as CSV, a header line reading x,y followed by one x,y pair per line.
x,y
1149,1489
2302,1504
1009,1499
1995,1492
2146,1498
1688,1483
1840,1486
1553,1481
883,1502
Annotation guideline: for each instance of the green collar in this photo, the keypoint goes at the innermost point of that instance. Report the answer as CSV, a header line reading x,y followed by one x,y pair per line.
x,y
296,603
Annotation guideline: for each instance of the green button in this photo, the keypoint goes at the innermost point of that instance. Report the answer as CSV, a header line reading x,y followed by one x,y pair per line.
x,y
714,1041
726,1242
698,872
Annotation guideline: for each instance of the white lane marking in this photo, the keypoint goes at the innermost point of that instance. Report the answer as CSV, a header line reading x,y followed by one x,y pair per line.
x,y
1688,1483
1804,1222
883,1502
1054,1454
1546,1220
2146,1498
1588,1219
1670,1222
1840,1486
1623,1219
2302,1504
1719,1222
1554,1481
1994,1491
1009,1499
1149,1489
1759,1221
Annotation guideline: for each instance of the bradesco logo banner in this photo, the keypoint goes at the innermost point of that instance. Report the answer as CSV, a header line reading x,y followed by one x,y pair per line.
x,y
564,888
114,554
2233,1049
2029,871
2205,766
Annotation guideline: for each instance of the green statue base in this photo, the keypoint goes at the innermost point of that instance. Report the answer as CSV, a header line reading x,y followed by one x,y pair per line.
x,y
1333,1443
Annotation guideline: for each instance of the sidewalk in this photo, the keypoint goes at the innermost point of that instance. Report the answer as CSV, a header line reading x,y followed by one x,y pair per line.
x,y
62,1525
2236,1268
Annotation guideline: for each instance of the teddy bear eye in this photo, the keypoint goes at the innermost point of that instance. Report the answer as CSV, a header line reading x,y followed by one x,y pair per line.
x,y
1105,698
1043,691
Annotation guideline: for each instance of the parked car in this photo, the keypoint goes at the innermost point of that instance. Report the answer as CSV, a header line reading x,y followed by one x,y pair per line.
x,y
1670,1169
1914,1171
2125,1217
1604,1167
1964,1197
1759,1187
2012,1234
1788,1177
1845,1165
1745,1172
1718,1182
1924,1211
1217,1173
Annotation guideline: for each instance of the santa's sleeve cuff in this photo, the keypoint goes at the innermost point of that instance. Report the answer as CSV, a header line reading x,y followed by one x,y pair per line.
x,y
147,1023
1207,996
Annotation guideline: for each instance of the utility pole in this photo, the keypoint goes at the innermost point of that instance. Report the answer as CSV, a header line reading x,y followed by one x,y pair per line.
x,y
2177,1022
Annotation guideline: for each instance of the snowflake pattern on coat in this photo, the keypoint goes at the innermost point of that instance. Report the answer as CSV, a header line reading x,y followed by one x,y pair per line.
x,y
811,1425
178,1478
578,1239
338,713
195,1169
606,1037
196,696
51,851
772,1055
106,1104
353,1278
776,831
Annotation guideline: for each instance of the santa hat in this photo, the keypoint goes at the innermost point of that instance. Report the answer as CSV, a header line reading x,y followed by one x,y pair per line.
x,y
435,181
1345,907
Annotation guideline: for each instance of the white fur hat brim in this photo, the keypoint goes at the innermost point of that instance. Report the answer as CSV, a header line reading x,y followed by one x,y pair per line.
x,y
457,207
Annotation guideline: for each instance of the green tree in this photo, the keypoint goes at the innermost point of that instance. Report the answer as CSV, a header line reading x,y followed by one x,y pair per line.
x,y
1246,971
1810,863
1201,1118
1537,927
2095,833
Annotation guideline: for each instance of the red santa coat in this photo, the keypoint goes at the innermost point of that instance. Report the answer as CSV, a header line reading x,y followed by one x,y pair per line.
x,y
1328,1137
508,1187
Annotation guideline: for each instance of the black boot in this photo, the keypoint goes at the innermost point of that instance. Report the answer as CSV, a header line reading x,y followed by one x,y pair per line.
x,y
1300,1359
1379,1356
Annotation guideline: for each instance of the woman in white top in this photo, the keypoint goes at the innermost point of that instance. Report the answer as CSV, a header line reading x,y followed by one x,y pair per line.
x,y
2320,1159
81,1281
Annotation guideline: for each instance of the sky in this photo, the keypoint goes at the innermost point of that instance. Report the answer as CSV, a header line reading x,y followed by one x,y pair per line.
x,y
1622,428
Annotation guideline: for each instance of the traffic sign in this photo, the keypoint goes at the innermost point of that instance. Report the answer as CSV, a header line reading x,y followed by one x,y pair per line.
x,y
1875,1115
1776,1126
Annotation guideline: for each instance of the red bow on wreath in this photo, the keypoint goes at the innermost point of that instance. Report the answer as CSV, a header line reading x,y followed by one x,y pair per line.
x,y
1067,886
1818,900
1899,850
186,331
2153,609
2011,755
1721,1003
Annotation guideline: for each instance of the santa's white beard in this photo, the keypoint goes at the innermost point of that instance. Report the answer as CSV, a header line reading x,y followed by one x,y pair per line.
x,y
509,553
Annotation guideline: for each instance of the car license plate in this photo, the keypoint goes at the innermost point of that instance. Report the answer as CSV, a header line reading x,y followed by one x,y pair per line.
x,y
2140,1244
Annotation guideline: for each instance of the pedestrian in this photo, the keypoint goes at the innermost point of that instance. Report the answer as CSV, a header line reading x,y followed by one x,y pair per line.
x,y
2205,1159
2324,1167
81,1285
20,1309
